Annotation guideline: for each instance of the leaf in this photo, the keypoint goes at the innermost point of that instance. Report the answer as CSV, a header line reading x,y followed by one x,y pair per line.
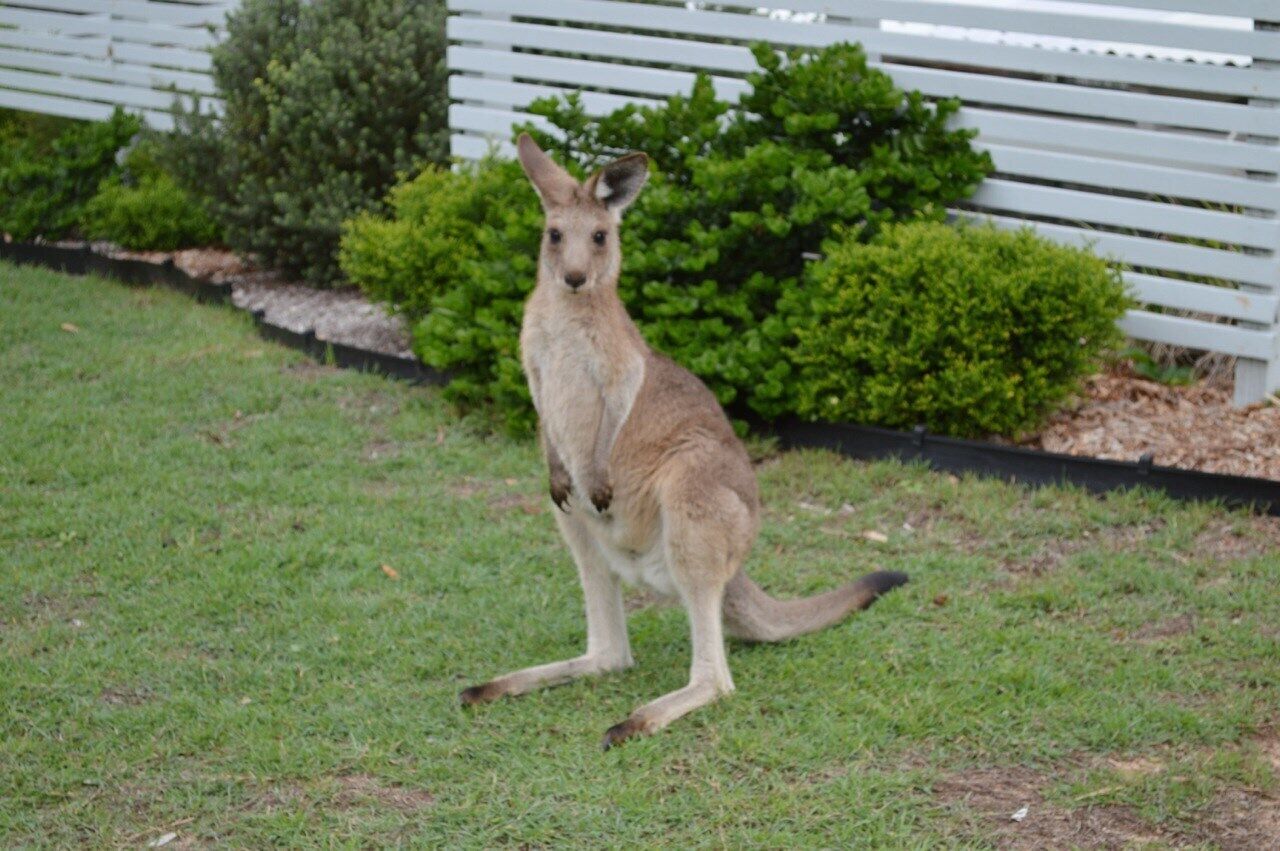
x,y
161,841
70,327
390,571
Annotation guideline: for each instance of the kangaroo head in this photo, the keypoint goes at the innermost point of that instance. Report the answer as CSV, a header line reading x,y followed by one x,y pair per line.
x,y
580,250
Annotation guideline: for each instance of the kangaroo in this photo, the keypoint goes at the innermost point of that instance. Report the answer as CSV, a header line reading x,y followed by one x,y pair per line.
x,y
650,483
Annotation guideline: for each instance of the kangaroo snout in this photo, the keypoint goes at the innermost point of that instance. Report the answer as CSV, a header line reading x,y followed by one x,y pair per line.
x,y
575,279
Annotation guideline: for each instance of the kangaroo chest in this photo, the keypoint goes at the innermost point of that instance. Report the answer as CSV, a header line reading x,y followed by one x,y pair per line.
x,y
571,396
587,379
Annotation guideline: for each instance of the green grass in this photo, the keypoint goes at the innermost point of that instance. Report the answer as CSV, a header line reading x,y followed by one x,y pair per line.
x,y
197,635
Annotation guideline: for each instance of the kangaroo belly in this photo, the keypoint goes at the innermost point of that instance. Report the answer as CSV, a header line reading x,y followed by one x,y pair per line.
x,y
632,546
642,568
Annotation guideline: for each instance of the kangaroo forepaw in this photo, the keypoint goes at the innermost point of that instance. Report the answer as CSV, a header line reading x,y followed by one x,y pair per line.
x,y
561,486
601,495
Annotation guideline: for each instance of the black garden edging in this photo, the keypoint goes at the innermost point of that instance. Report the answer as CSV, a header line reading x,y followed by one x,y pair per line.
x,y
1011,463
1032,466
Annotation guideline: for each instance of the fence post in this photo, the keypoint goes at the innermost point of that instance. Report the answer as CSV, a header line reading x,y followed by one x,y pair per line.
x,y
1255,379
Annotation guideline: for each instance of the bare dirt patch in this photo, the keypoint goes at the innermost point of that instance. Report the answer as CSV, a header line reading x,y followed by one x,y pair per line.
x,y
468,488
504,503
1121,538
994,795
1268,745
358,789
1163,629
1243,821
125,695
1238,538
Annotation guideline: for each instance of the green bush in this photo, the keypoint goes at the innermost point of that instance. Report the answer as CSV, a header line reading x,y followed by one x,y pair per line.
x,y
44,185
460,255
326,103
720,234
144,208
966,330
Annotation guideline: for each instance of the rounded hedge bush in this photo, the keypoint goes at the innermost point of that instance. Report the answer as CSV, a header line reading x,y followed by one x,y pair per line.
x,y
458,256
143,208
966,330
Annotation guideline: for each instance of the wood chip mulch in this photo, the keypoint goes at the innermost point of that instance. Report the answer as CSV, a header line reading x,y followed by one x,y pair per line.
x,y
1122,416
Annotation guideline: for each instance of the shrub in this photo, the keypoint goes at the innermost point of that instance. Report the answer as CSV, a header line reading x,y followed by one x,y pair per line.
x,y
966,330
459,254
326,102
720,233
44,186
423,248
143,208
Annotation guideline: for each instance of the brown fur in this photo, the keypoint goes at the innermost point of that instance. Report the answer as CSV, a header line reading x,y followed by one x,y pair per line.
x,y
652,484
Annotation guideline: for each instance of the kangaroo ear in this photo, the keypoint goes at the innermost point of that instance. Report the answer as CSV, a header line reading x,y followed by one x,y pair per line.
x,y
619,182
555,185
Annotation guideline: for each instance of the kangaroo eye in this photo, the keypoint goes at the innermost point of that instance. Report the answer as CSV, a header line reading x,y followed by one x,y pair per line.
x,y
554,235
598,237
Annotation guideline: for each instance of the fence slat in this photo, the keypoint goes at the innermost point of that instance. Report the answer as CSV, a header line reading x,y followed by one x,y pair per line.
x,y
1195,334
507,93
106,71
1201,298
1186,150
1112,211
1133,176
1025,94
1143,252
1237,8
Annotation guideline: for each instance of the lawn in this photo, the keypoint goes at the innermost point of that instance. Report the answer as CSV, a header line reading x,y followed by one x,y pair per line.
x,y
241,591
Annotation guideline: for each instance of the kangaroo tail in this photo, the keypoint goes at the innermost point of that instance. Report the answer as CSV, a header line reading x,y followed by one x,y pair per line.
x,y
752,615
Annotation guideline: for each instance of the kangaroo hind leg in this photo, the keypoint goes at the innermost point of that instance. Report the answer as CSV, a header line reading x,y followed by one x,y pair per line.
x,y
704,544
608,648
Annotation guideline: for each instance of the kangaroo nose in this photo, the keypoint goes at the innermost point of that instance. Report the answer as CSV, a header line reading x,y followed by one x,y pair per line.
x,y
575,279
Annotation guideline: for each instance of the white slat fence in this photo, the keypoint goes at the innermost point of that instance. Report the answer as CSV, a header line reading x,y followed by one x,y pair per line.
x,y
82,58
1152,137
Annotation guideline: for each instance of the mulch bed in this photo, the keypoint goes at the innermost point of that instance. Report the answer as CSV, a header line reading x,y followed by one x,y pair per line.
x,y
1118,416
1122,416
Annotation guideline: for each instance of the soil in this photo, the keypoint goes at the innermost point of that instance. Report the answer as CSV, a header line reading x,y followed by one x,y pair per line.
x,y
1118,415
1238,819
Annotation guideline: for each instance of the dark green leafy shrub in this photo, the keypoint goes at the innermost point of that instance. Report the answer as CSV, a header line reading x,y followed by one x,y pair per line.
x,y
326,103
966,330
719,235
143,208
460,255
44,185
